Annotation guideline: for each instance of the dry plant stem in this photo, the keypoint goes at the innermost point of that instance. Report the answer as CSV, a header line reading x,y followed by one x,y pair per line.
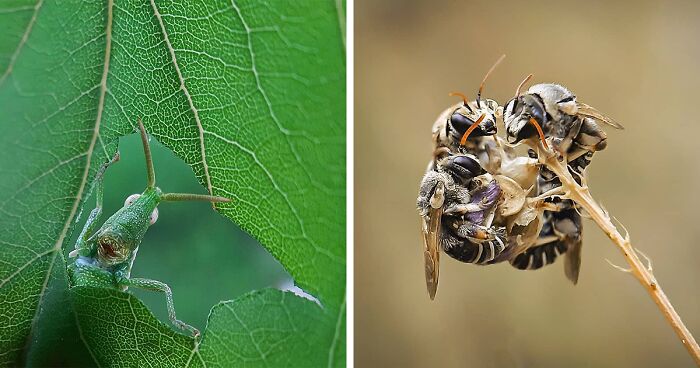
x,y
641,272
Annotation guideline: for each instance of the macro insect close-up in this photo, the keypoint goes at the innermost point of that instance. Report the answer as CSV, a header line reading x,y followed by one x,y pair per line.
x,y
241,106
546,112
104,256
541,227
389,183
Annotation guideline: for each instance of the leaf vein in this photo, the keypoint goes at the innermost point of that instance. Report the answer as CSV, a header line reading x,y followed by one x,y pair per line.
x,y
22,42
184,89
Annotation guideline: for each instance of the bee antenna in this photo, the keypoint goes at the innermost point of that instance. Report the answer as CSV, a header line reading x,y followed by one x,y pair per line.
x,y
463,141
481,86
464,98
520,86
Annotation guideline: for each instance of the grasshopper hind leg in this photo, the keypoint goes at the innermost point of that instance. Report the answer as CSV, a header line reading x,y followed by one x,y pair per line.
x,y
154,285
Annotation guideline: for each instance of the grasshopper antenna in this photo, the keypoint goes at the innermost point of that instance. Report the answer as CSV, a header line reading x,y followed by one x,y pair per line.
x,y
481,86
174,197
149,159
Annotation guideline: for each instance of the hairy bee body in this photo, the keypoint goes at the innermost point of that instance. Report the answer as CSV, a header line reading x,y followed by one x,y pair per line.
x,y
467,212
457,203
481,202
572,129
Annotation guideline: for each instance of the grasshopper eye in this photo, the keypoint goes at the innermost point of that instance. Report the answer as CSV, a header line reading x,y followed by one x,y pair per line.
x,y
131,199
154,216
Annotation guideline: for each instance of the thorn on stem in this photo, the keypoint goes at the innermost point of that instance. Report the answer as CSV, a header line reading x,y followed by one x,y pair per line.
x,y
584,183
628,240
625,270
648,260
586,215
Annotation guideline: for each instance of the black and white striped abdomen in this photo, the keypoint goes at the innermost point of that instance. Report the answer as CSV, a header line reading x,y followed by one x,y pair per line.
x,y
469,249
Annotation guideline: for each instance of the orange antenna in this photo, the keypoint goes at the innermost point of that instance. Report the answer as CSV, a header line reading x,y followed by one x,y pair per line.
x,y
539,131
464,98
517,91
481,86
463,141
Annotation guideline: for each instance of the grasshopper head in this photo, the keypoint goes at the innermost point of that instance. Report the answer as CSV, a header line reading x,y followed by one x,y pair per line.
x,y
122,233
112,248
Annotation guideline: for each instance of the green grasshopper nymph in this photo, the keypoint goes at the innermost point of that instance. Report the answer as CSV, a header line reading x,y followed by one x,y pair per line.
x,y
105,257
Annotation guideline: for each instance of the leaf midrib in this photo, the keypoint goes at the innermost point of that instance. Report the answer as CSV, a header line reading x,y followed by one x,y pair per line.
x,y
56,250
184,89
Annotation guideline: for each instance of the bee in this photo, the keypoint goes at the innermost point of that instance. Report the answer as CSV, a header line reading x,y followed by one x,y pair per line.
x,y
456,202
552,111
474,119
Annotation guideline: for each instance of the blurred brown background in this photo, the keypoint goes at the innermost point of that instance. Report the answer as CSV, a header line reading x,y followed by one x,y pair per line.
x,y
635,61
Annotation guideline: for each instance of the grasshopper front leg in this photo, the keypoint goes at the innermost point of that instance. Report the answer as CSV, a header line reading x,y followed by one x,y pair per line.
x,y
82,245
154,285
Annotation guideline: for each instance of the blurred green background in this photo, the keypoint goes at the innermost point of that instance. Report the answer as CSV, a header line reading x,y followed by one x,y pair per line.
x,y
204,257
635,61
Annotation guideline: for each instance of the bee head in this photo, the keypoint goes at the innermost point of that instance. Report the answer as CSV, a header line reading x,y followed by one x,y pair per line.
x,y
517,114
481,113
469,114
463,167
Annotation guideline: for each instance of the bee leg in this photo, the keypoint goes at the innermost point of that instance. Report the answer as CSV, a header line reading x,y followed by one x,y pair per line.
x,y
561,234
154,285
547,250
590,135
432,192
482,199
579,164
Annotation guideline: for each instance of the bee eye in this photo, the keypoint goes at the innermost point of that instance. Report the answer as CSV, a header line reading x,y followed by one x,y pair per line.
x,y
131,199
154,216
511,107
460,122
468,163
538,113
465,167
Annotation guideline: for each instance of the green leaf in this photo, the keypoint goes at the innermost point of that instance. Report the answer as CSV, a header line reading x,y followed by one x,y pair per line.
x,y
264,328
250,94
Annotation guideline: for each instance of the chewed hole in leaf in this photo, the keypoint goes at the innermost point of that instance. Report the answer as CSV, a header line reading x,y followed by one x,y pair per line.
x,y
289,286
203,256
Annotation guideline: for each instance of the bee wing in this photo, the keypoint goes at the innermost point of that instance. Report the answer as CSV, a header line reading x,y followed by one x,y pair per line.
x,y
592,112
572,260
431,249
